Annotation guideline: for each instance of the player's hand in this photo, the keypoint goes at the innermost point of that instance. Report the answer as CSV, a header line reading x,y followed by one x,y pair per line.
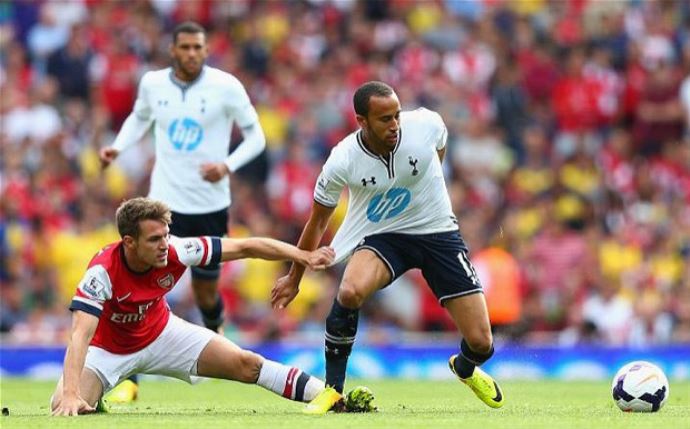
x,y
107,156
320,258
284,291
214,171
72,406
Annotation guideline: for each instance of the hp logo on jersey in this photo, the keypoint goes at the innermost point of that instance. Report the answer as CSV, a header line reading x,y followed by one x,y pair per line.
x,y
185,134
388,205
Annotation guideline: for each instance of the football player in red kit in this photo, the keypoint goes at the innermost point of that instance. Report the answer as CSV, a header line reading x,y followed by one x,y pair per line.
x,y
122,325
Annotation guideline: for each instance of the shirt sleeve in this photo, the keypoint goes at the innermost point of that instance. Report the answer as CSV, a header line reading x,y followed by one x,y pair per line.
x,y
142,106
239,106
93,290
331,181
440,131
197,251
137,123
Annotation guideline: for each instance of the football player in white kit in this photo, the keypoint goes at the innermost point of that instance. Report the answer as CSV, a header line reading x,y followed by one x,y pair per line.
x,y
399,217
192,108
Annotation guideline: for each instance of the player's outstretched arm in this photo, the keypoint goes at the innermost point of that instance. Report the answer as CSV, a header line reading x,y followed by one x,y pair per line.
x,y
270,249
69,402
287,287
133,129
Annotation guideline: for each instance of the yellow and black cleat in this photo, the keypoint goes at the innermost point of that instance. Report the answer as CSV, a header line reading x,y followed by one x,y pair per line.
x,y
482,385
325,401
124,393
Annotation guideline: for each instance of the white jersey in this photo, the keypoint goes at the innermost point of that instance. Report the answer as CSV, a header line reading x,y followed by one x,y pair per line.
x,y
192,126
403,193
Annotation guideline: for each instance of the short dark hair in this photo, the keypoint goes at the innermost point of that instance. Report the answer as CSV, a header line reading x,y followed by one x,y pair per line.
x,y
187,27
370,89
133,211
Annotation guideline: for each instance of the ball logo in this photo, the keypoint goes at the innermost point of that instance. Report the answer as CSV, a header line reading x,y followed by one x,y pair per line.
x,y
185,134
388,205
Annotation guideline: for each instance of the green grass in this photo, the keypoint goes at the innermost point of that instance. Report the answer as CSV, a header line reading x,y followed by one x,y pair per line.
x,y
403,404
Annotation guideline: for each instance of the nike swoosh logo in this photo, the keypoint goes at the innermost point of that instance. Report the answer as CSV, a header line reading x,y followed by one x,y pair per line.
x,y
499,395
123,297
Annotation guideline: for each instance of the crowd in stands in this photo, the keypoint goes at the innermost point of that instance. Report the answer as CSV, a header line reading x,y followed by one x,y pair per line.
x,y
568,160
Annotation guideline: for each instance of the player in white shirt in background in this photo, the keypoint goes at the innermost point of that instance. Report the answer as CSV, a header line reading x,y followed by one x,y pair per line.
x,y
192,108
399,217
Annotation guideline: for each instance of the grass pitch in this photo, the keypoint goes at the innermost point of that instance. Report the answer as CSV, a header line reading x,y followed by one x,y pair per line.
x,y
403,404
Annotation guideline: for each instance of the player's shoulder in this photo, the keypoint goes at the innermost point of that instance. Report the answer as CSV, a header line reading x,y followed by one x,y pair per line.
x,y
106,257
155,77
344,148
222,78
421,117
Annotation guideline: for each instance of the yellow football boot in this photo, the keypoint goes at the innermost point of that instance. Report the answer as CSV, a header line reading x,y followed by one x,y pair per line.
x,y
482,385
328,399
124,393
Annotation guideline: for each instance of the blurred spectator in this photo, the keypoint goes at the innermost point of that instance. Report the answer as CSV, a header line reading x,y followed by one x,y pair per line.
x,y
70,65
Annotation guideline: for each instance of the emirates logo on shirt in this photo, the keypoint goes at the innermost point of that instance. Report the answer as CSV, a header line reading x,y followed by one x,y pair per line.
x,y
166,282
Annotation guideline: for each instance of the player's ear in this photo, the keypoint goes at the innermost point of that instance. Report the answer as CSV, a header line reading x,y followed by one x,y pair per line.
x,y
129,241
361,120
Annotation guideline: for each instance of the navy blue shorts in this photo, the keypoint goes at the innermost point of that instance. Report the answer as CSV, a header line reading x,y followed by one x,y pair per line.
x,y
195,225
442,257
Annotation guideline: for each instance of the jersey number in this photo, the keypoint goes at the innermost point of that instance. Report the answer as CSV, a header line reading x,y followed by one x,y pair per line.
x,y
469,269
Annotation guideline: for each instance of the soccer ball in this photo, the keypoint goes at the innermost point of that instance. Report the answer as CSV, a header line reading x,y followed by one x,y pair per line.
x,y
640,387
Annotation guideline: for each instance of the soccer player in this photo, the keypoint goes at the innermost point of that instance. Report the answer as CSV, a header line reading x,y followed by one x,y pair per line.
x,y
192,108
122,325
399,217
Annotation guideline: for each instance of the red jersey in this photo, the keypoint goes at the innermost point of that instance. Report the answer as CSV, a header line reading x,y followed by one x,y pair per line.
x,y
130,306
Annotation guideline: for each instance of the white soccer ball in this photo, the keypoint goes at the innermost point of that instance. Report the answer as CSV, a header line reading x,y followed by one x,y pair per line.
x,y
640,387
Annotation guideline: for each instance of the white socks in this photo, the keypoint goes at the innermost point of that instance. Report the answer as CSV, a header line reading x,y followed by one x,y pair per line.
x,y
290,382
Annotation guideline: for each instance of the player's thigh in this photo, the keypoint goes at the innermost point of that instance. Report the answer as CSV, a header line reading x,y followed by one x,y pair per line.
x,y
470,314
365,274
176,351
90,388
221,358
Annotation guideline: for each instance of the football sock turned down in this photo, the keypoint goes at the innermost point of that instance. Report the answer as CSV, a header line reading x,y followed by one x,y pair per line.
x,y
213,317
468,359
289,382
341,329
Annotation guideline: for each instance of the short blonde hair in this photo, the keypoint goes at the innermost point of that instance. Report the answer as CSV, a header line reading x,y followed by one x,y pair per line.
x,y
133,211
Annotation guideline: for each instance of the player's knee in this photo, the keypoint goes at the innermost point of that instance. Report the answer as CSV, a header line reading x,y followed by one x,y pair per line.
x,y
349,296
250,366
480,341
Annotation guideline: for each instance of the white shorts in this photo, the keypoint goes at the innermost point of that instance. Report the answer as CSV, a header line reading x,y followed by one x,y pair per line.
x,y
174,354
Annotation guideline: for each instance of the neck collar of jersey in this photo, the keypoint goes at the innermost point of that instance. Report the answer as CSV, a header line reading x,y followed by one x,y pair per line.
x,y
182,84
365,148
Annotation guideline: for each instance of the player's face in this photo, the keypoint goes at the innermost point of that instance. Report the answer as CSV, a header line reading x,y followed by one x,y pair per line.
x,y
382,124
151,247
189,54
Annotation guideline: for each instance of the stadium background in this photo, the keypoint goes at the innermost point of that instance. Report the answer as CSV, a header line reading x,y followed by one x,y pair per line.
x,y
568,166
